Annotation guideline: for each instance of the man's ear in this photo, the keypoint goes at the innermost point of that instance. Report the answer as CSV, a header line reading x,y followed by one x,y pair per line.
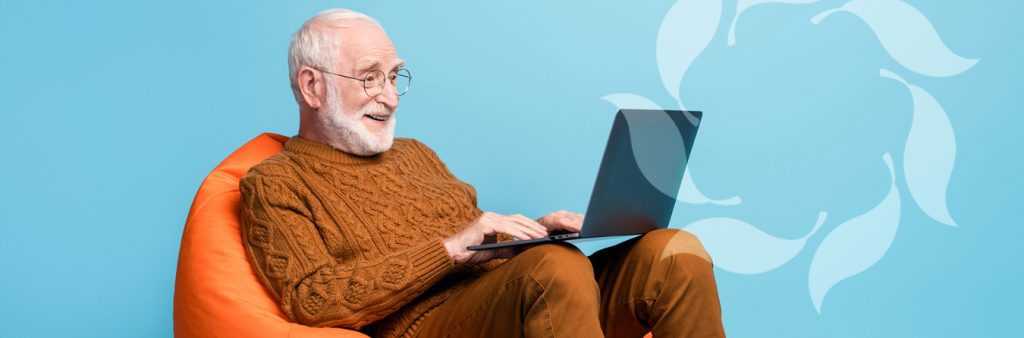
x,y
311,86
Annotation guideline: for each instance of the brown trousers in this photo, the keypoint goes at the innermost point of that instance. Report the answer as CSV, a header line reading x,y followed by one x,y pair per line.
x,y
661,282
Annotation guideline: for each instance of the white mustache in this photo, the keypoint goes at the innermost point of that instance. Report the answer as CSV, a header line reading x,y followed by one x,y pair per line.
x,y
376,109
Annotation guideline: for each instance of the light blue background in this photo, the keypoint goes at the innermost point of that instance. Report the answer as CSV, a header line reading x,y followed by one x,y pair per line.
x,y
113,112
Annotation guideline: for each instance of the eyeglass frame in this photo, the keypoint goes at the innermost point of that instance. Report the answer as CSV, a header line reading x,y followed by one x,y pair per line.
x,y
366,88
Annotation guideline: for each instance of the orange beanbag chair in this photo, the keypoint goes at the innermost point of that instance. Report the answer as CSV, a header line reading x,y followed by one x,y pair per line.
x,y
216,292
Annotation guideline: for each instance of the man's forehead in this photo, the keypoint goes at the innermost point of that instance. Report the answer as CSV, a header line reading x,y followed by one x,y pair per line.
x,y
368,47
374,61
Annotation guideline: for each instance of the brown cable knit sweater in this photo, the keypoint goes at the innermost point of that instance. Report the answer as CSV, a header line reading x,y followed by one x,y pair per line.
x,y
356,242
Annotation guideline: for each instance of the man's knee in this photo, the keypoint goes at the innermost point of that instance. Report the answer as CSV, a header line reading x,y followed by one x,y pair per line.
x,y
664,243
680,255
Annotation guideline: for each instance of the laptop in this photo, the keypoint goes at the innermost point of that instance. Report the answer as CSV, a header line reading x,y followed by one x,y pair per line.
x,y
639,177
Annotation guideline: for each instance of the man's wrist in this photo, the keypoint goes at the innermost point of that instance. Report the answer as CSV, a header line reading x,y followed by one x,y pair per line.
x,y
452,246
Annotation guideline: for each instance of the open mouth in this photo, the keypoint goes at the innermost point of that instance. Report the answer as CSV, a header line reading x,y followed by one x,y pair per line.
x,y
381,118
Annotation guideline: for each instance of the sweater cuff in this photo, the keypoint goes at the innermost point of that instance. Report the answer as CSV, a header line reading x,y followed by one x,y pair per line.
x,y
432,261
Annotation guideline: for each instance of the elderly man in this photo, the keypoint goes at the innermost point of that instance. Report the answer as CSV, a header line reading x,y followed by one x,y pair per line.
x,y
349,227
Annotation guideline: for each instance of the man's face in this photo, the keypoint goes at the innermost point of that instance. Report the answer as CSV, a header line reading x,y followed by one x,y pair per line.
x,y
365,124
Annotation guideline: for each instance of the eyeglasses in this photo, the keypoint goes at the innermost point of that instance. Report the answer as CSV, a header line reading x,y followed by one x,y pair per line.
x,y
373,82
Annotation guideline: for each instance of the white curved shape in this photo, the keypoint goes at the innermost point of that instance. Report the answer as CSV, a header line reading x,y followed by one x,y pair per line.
x,y
906,35
743,5
630,101
687,29
739,247
929,154
688,192
855,245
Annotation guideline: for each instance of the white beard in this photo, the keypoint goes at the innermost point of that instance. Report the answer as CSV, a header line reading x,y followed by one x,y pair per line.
x,y
349,134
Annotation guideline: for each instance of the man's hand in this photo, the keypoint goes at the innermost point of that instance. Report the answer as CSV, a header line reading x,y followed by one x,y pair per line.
x,y
562,220
485,230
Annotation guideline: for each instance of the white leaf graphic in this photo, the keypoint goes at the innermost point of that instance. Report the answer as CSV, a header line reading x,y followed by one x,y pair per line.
x,y
929,154
855,245
906,35
744,5
630,101
688,192
685,32
739,247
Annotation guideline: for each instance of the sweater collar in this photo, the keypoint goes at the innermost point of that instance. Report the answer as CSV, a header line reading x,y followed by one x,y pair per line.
x,y
299,145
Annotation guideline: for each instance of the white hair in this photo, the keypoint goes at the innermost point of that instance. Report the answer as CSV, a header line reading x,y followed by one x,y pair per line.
x,y
312,46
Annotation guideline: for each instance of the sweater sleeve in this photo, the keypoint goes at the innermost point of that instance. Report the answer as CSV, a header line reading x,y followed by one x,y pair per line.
x,y
313,287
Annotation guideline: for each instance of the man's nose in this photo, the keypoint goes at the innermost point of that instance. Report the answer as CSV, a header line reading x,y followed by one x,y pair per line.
x,y
389,97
